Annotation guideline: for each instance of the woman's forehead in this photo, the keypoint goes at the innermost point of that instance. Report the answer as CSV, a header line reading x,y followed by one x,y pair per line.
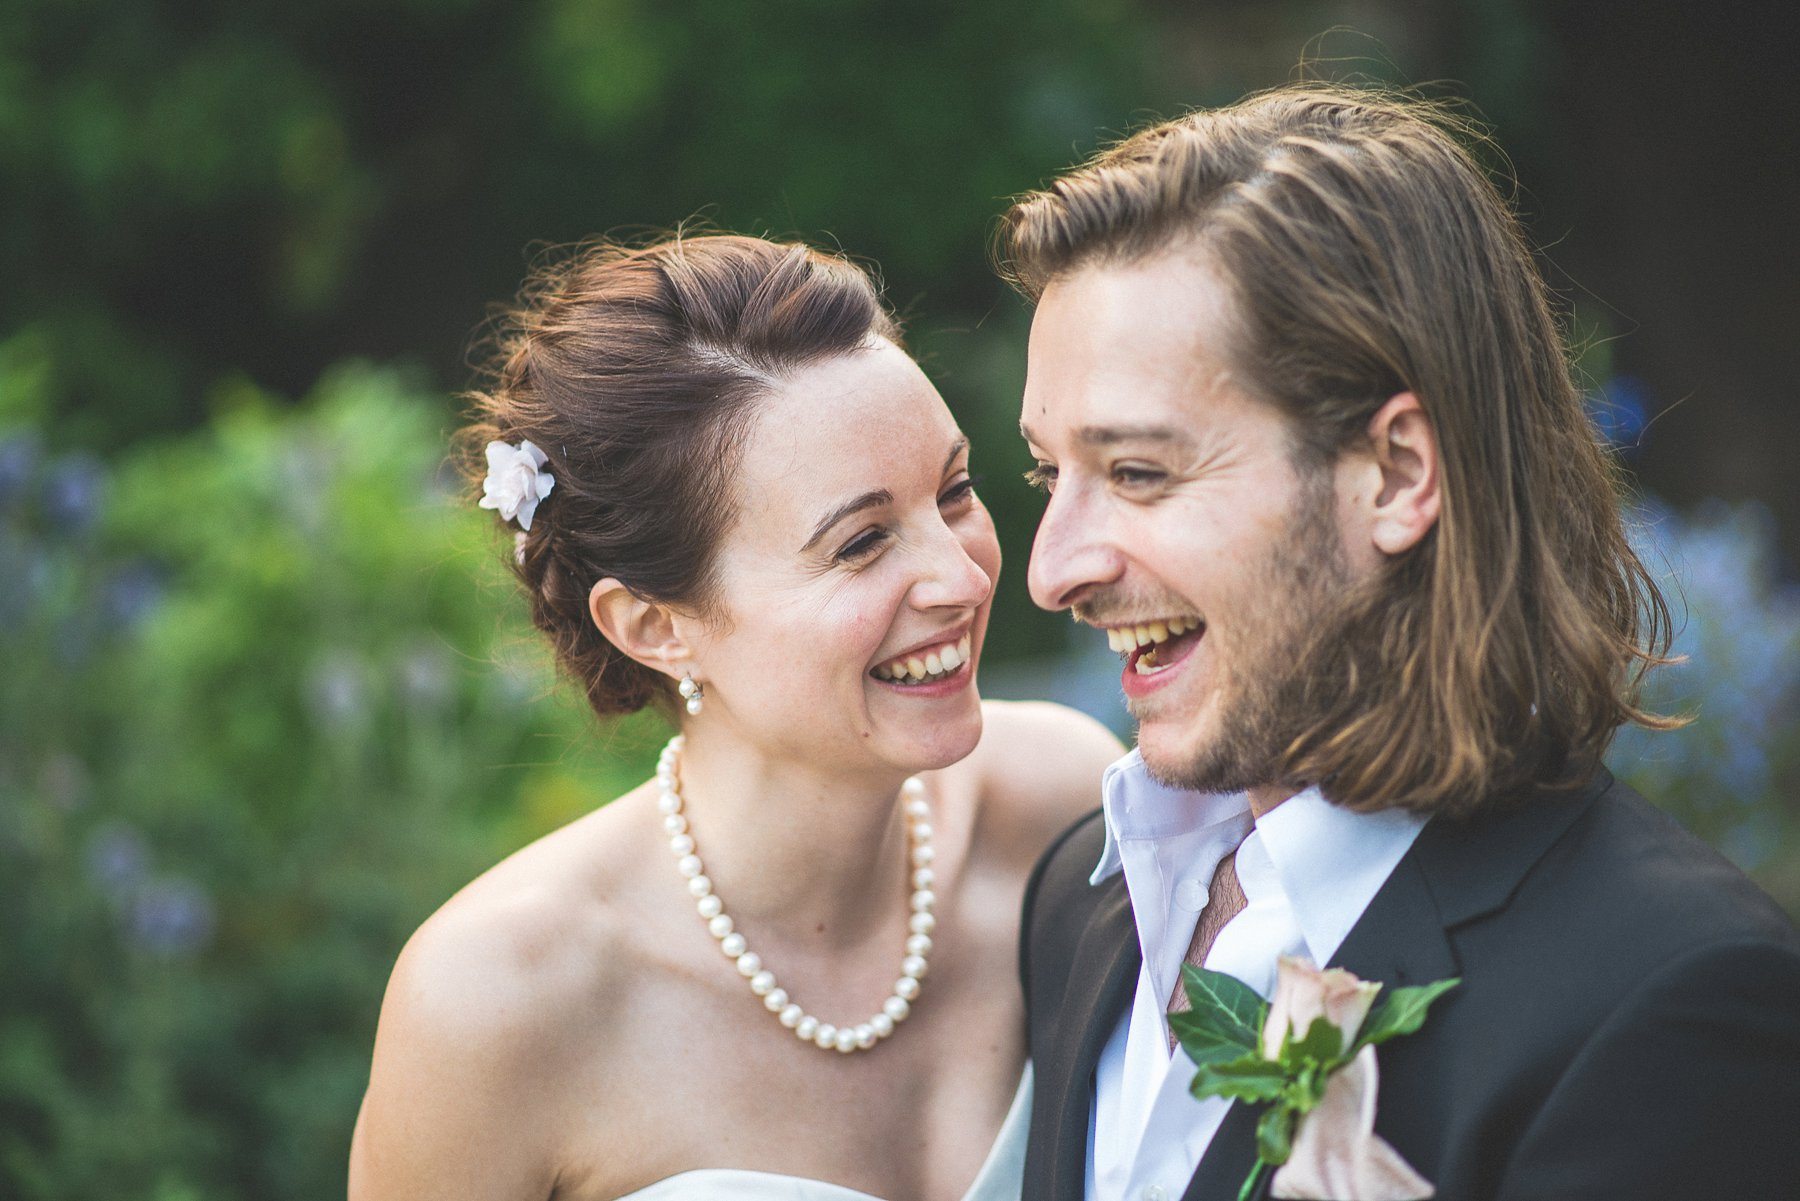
x,y
854,423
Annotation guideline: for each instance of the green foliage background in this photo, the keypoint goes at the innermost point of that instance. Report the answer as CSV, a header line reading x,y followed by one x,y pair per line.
x,y
266,696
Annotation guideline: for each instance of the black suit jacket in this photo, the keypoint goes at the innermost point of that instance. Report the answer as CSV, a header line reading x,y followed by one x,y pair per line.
x,y
1628,1025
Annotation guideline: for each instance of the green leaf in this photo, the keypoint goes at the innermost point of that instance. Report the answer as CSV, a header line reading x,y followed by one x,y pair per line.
x,y
1236,1004
1403,1013
1206,1039
1308,1088
1251,1078
1275,1136
1322,1045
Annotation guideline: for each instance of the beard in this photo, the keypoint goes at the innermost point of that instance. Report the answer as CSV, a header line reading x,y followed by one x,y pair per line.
x,y
1288,670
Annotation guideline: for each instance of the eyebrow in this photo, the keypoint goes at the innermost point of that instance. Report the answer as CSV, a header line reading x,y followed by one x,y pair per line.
x,y
870,500
1111,435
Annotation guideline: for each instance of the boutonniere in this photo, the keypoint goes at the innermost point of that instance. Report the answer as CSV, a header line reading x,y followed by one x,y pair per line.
x,y
1310,1056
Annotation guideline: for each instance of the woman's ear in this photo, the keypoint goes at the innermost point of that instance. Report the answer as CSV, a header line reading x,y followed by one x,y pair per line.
x,y
642,629
1405,449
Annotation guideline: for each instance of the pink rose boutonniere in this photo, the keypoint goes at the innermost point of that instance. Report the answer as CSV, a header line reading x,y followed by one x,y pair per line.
x,y
1309,1054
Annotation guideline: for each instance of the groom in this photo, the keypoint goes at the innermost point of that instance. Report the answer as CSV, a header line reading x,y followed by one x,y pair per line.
x,y
1316,464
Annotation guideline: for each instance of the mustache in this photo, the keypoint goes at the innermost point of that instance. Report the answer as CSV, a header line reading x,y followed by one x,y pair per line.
x,y
1120,608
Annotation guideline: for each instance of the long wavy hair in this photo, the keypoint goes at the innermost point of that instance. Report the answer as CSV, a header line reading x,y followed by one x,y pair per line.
x,y
1369,254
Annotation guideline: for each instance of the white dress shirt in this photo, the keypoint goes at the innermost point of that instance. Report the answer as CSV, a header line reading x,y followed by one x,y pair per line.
x,y
1308,870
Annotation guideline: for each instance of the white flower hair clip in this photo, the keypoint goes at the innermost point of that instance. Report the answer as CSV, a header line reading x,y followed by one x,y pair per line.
x,y
516,481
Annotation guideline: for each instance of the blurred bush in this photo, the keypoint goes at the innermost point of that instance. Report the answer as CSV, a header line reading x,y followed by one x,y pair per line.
x,y
1733,775
259,717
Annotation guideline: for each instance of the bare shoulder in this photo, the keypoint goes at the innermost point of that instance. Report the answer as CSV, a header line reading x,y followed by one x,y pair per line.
x,y
1039,767
485,1006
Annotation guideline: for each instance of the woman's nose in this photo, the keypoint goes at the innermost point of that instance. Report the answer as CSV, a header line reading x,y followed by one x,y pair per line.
x,y
954,578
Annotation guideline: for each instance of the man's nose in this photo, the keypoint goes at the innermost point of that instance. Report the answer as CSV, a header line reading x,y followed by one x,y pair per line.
x,y
1071,554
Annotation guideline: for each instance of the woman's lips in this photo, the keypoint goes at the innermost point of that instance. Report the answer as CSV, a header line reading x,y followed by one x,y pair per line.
x,y
943,685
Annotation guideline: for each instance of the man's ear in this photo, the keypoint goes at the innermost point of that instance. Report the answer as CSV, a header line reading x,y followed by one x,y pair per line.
x,y
644,630
1408,499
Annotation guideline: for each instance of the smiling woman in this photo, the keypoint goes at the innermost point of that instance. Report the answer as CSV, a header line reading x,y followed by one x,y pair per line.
x,y
733,495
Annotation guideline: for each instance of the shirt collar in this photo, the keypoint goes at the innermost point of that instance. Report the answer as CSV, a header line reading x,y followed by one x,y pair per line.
x,y
1330,861
1134,806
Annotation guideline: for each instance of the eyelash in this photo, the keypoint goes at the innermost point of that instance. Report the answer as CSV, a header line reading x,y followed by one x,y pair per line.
x,y
1043,477
868,541
1134,476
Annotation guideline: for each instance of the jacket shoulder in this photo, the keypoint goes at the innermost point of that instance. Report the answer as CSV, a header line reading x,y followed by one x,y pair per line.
x,y
1643,870
1058,883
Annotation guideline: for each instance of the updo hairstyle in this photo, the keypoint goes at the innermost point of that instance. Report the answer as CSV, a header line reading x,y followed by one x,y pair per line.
x,y
635,370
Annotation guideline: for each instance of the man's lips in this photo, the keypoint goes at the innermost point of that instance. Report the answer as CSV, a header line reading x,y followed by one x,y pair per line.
x,y
1148,668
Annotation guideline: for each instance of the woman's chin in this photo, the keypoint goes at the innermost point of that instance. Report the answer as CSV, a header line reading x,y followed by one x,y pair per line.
x,y
934,741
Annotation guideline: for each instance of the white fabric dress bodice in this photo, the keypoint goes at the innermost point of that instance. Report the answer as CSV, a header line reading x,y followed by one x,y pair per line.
x,y
1001,1177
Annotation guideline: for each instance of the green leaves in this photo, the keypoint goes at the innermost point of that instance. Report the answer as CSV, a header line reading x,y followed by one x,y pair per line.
x,y
1402,1013
1222,1033
1275,1136
1226,1021
1251,1078
1233,1004
1322,1044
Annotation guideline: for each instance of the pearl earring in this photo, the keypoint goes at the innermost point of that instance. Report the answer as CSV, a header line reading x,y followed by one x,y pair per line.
x,y
692,693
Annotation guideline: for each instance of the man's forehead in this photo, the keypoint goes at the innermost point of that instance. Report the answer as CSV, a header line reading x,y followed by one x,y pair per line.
x,y
1126,351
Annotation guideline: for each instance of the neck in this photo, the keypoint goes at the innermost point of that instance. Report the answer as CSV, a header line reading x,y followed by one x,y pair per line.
x,y
1264,797
811,853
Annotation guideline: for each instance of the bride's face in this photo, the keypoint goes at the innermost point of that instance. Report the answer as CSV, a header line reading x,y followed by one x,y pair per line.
x,y
859,546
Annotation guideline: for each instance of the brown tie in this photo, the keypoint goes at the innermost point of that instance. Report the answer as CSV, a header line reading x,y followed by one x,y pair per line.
x,y
1224,901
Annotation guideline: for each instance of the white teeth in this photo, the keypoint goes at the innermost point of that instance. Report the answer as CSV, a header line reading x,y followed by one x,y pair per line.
x,y
1125,639
938,661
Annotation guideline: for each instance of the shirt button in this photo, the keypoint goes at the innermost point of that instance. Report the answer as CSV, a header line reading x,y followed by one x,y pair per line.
x,y
1191,895
1156,1192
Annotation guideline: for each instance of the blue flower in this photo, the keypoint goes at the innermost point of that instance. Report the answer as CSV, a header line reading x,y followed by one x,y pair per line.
x,y
131,593
1620,411
117,860
171,916
19,455
72,493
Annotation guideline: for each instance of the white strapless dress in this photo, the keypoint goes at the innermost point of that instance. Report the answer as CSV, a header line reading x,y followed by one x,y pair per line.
x,y
1001,1177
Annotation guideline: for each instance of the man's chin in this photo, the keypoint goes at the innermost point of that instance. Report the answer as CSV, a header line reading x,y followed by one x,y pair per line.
x,y
1198,759
1171,749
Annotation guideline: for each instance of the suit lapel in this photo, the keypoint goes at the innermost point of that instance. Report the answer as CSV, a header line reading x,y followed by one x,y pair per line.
x,y
1100,980
1399,941
1229,1158
1455,872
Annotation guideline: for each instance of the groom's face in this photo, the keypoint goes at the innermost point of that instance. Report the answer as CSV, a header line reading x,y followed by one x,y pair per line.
x,y
1176,500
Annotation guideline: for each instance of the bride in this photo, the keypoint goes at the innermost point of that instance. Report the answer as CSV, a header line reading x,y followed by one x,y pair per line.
x,y
784,967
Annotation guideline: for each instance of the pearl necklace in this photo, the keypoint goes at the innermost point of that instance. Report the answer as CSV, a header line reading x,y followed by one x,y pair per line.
x,y
775,999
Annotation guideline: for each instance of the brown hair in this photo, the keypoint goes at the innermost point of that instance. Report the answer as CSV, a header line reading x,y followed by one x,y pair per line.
x,y
1368,254
635,370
